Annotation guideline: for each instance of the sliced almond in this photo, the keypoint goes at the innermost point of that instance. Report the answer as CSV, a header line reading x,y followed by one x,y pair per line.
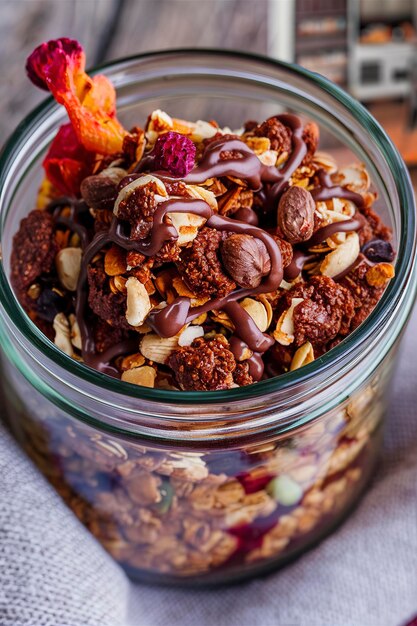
x,y
156,348
284,331
325,161
203,130
75,334
138,302
144,376
132,360
186,225
140,182
190,333
68,265
62,334
208,196
257,311
302,356
342,257
269,311
354,177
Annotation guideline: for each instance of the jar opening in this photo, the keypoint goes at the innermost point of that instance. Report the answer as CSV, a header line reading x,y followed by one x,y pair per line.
x,y
257,69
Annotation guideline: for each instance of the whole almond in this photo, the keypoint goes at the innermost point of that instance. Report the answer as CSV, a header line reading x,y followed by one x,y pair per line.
x,y
245,259
296,214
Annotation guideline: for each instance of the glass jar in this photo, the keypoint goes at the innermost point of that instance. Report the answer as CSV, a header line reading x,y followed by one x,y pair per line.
x,y
197,488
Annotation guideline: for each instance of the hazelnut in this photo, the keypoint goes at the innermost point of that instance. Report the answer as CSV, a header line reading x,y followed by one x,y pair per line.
x,y
246,259
100,191
296,214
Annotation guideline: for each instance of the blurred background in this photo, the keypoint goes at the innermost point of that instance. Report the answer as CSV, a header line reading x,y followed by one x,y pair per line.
x,y
367,46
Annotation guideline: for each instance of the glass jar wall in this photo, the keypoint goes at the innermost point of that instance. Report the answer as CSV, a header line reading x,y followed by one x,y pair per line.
x,y
209,487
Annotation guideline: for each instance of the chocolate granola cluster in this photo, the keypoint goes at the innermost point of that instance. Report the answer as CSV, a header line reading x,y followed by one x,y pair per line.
x,y
184,256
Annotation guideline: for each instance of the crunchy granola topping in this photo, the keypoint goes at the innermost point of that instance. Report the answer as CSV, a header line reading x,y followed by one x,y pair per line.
x,y
205,365
177,234
201,268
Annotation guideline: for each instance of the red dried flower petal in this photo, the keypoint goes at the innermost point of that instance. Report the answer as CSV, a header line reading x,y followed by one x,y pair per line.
x,y
67,162
174,152
59,65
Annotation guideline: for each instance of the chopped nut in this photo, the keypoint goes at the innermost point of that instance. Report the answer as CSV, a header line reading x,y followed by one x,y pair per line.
x,y
302,356
62,334
342,257
138,302
144,376
186,225
257,311
188,335
131,361
284,331
68,266
75,333
246,259
296,214
380,274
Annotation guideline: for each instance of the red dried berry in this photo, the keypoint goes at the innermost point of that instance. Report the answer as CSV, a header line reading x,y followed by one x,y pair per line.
x,y
174,152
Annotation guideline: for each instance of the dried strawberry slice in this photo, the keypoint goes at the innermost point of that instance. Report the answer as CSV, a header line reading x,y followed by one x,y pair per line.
x,y
67,162
174,152
59,66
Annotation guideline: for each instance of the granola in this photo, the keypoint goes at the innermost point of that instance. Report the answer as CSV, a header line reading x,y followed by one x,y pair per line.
x,y
254,236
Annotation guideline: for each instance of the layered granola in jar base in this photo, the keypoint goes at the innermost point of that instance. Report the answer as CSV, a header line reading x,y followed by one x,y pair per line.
x,y
168,513
205,487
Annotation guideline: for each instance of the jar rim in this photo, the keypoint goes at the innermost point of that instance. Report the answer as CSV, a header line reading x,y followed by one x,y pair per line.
x,y
404,263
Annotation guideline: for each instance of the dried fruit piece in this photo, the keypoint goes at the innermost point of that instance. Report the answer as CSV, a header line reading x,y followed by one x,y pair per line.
x,y
175,153
379,275
138,304
68,266
67,162
246,259
296,214
285,490
378,250
59,65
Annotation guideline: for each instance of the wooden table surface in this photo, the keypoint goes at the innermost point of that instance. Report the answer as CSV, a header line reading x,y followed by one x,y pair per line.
x,y
113,28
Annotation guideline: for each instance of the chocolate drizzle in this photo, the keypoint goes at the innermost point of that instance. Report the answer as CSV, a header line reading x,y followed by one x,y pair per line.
x,y
171,319
222,157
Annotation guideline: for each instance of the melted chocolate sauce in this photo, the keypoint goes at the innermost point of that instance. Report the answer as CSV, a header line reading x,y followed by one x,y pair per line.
x,y
327,191
299,259
255,362
245,165
171,319
347,226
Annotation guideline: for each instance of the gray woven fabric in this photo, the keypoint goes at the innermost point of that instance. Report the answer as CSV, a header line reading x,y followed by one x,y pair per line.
x,y
53,574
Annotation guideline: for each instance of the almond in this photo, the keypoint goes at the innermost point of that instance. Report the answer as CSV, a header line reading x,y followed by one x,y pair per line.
x,y
245,259
296,214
